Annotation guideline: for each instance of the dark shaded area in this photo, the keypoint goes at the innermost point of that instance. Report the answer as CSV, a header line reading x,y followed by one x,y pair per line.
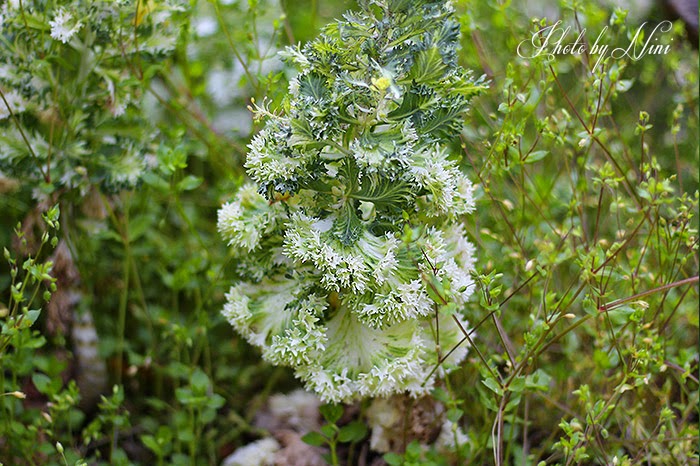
x,y
686,10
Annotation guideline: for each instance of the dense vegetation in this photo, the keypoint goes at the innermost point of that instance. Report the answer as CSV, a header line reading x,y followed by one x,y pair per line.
x,y
124,129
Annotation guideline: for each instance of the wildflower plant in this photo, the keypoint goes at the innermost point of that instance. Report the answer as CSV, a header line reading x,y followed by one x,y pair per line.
x,y
350,239
72,80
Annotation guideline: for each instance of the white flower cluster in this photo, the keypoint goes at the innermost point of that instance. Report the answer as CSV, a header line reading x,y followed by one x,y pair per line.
x,y
354,265
63,27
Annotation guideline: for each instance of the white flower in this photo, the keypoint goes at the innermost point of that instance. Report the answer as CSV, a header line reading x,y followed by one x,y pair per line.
x,y
236,309
62,26
403,301
386,264
293,87
450,192
259,453
303,340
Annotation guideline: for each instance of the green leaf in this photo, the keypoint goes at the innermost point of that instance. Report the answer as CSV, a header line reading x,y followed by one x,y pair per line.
x,y
199,381
185,434
454,414
534,156
539,380
441,395
216,401
32,316
392,459
42,382
172,159
417,98
414,449
150,442
138,226
314,86
353,432
302,134
60,61
468,88
189,183
445,121
517,385
384,193
428,66
314,439
493,385
329,430
331,412
348,225
156,182
35,342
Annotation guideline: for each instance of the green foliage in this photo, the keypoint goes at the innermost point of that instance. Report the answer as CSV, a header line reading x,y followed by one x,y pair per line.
x,y
592,246
583,324
68,116
331,434
21,341
330,279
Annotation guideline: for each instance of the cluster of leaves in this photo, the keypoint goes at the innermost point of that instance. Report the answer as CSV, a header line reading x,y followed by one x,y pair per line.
x,y
585,333
31,286
358,201
145,249
72,77
589,230
331,434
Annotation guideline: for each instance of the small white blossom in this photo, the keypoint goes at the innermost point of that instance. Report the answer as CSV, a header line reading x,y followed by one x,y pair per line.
x,y
236,309
341,268
303,340
264,163
63,27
